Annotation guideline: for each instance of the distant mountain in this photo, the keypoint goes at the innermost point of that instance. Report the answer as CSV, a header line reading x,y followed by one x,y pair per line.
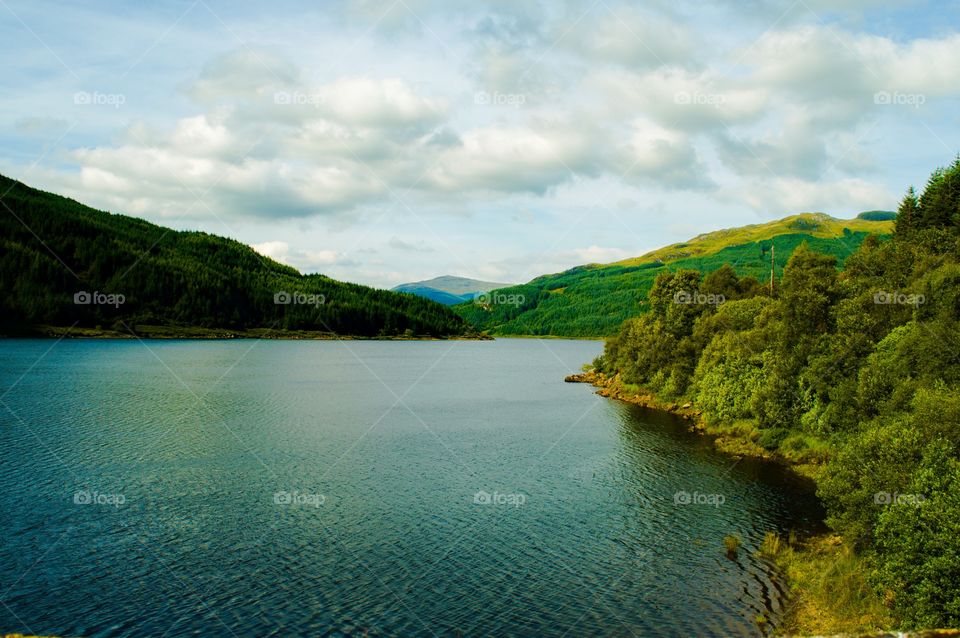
x,y
594,299
66,264
448,289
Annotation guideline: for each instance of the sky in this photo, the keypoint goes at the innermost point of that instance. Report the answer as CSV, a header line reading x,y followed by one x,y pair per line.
x,y
388,141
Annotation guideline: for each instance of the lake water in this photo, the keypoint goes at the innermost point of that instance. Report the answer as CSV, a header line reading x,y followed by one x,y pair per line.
x,y
285,488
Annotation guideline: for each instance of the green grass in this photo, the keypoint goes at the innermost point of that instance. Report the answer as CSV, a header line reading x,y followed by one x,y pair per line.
x,y
828,590
593,300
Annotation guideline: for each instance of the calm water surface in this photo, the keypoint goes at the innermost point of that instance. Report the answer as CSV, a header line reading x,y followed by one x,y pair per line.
x,y
286,488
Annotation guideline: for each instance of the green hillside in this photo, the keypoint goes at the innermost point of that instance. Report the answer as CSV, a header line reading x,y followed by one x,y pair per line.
x,y
126,272
593,300
854,374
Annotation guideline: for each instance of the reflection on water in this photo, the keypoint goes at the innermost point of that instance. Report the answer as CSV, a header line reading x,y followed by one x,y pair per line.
x,y
366,488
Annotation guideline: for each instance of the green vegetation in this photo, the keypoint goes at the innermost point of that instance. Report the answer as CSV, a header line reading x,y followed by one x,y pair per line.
x,y
52,248
732,543
858,370
594,300
878,215
829,590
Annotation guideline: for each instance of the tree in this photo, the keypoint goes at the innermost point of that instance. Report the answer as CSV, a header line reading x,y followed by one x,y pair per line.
x,y
907,214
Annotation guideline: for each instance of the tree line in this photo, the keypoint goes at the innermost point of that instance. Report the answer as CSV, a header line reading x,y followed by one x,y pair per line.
x,y
55,254
856,370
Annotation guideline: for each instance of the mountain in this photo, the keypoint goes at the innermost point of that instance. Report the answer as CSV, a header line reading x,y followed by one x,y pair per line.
x,y
593,300
448,289
65,264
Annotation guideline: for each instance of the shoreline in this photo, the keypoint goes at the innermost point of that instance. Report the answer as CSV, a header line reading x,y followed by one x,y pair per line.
x,y
801,563
724,440
146,332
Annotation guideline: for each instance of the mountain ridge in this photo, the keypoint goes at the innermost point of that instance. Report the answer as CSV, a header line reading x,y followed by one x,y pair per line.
x,y
592,300
449,289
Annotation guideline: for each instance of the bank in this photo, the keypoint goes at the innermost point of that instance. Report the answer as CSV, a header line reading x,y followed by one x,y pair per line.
x,y
828,591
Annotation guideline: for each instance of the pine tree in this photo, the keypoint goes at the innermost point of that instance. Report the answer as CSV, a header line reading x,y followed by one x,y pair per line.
x,y
907,214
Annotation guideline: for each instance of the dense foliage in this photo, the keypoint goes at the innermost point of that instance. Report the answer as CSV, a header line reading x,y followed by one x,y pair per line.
x,y
859,369
594,300
52,248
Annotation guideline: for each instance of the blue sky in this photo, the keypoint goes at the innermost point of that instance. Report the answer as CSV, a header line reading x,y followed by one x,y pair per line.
x,y
385,141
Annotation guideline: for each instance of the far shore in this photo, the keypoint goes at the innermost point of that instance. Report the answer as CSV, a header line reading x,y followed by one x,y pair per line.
x,y
562,337
196,333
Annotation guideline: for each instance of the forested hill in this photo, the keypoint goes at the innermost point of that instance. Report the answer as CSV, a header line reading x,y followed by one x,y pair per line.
x,y
858,370
64,264
593,300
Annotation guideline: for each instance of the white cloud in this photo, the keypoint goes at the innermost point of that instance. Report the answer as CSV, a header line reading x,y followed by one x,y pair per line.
x,y
276,250
600,254
379,103
781,196
654,153
303,260
513,159
632,38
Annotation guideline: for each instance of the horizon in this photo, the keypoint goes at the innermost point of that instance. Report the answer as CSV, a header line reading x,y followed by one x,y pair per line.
x,y
507,284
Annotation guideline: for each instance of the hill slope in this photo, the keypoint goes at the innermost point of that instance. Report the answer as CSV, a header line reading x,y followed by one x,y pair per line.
x,y
593,300
448,289
53,248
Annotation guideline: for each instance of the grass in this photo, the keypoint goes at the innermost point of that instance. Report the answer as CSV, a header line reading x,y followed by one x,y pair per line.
x,y
593,300
828,590
732,543
814,224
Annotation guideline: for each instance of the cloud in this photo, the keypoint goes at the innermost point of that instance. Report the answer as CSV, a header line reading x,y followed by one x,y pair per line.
x,y
692,101
319,127
791,150
653,153
780,196
633,38
379,103
243,73
600,255
303,260
822,62
513,159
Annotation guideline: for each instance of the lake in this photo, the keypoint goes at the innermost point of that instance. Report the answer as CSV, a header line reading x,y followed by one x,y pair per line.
x,y
366,488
